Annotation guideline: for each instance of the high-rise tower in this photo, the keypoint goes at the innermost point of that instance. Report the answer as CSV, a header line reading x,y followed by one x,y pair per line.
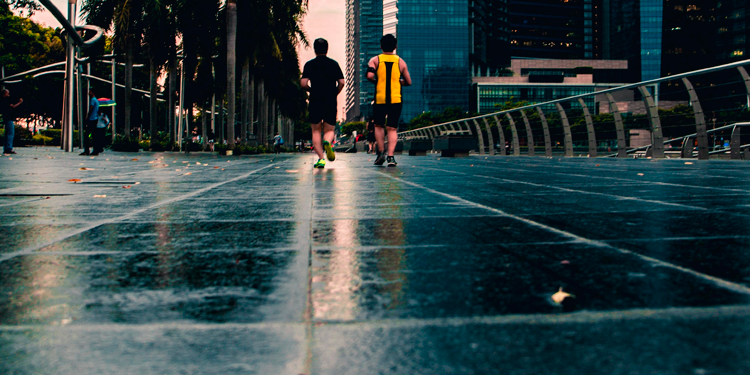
x,y
364,28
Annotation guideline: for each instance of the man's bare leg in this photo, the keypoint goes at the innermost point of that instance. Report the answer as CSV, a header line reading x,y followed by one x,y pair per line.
x,y
380,138
392,139
316,139
328,132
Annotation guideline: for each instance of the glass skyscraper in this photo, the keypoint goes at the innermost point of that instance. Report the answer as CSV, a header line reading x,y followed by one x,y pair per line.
x,y
364,28
634,33
433,39
556,29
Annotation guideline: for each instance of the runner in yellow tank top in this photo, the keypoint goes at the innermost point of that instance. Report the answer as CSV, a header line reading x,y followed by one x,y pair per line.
x,y
389,73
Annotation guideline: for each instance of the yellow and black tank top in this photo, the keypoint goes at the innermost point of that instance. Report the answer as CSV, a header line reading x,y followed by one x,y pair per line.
x,y
388,75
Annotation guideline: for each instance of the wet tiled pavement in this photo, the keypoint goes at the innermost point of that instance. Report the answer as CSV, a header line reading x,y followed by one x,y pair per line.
x,y
160,263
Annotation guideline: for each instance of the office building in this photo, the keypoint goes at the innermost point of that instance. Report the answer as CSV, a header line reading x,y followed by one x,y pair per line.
x,y
556,29
433,39
543,80
633,32
364,28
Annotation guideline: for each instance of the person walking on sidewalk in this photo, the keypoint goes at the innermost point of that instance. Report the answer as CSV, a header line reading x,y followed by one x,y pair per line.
x,y
8,111
390,74
323,78
92,119
277,142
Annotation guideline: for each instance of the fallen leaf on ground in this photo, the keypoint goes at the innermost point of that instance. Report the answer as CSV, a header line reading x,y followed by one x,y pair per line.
x,y
106,159
597,165
560,296
87,169
74,180
133,159
276,167
689,163
292,170
187,174
216,167
100,196
47,197
177,170
126,187
222,169
565,262
640,174
93,157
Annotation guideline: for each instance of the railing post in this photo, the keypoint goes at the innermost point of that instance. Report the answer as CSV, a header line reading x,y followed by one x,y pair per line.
x,y
514,133
480,137
589,128
746,78
501,135
622,147
657,140
566,130
490,138
529,133
734,143
545,128
700,120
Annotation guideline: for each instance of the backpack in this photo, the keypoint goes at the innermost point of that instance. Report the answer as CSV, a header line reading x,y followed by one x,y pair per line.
x,y
281,141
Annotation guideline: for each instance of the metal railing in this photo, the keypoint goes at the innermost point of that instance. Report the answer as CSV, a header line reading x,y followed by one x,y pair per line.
x,y
494,123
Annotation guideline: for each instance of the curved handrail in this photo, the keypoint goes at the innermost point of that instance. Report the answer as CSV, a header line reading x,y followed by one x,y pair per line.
x,y
73,30
618,88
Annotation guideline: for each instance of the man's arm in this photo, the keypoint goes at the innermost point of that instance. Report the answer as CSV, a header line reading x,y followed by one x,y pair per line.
x,y
405,77
91,110
372,67
305,83
340,86
20,100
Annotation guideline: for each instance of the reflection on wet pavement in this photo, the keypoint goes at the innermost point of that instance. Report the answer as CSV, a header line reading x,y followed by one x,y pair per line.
x,y
263,265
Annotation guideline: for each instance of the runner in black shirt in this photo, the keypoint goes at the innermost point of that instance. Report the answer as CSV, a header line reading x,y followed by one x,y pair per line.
x,y
323,78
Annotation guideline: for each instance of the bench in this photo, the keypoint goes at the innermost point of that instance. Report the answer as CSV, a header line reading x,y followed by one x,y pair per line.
x,y
454,145
417,147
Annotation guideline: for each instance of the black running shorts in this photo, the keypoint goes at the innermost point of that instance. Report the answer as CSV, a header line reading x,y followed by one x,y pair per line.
x,y
322,112
391,111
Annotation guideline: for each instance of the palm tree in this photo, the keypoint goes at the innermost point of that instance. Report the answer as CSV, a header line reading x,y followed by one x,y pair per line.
x,y
123,16
231,67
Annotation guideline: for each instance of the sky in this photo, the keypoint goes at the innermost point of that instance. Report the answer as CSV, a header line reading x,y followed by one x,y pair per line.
x,y
325,19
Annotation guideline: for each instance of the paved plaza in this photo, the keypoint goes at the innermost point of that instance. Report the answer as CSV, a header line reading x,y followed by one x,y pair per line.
x,y
166,263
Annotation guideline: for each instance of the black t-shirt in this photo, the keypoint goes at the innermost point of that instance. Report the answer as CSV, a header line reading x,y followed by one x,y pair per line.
x,y
6,110
323,74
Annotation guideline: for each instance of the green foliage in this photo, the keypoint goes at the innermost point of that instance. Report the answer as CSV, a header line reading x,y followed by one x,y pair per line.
x,y
221,148
161,142
122,143
350,127
447,115
39,139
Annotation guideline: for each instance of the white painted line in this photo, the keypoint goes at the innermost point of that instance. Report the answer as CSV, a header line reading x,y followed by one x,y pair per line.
x,y
31,249
618,197
581,317
715,280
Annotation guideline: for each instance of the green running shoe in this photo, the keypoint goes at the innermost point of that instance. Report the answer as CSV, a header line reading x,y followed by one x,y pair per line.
x,y
329,151
320,164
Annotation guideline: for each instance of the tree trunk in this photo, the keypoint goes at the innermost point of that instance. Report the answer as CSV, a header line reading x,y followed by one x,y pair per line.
x,y
245,101
127,103
251,106
170,95
274,127
204,126
231,68
152,103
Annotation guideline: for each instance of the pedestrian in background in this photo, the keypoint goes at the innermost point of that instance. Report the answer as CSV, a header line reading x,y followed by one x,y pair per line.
x,y
323,78
277,142
8,111
92,119
371,135
99,133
